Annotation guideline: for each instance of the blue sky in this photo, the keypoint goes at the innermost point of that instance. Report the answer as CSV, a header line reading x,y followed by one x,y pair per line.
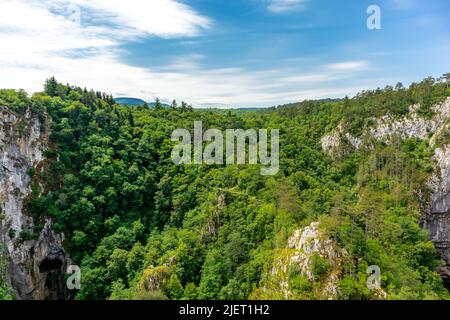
x,y
232,53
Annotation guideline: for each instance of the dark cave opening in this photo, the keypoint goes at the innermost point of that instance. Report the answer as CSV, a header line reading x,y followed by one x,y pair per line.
x,y
447,284
49,265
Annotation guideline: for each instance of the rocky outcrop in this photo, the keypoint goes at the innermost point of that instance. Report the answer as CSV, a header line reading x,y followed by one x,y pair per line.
x,y
385,128
211,229
412,125
331,143
336,143
438,219
155,278
34,264
304,247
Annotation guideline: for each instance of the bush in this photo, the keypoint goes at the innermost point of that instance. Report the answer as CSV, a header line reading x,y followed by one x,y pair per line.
x,y
319,266
11,233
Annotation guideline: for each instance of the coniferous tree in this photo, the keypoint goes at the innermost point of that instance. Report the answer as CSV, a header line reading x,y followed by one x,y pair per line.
x,y
51,87
446,79
130,118
184,106
158,105
399,86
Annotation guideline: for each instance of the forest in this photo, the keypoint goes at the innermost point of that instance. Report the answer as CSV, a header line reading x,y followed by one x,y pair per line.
x,y
129,214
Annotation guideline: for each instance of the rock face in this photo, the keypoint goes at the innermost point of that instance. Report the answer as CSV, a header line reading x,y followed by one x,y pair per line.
x,y
438,221
34,264
303,246
211,229
155,278
331,143
410,126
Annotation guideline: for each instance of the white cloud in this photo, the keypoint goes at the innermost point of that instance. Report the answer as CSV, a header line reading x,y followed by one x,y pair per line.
x,y
164,18
285,6
188,81
39,40
308,78
348,66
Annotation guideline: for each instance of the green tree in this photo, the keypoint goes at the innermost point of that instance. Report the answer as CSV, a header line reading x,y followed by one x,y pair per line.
x,y
51,87
174,288
158,105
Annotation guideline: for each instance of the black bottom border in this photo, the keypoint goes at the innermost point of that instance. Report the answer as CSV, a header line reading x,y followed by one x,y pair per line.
x,y
198,310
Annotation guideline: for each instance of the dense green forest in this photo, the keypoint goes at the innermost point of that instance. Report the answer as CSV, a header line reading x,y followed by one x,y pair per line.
x,y
212,232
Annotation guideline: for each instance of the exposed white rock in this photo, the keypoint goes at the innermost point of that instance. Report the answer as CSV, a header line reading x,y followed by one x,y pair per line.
x,y
22,143
440,181
438,218
308,241
410,126
19,152
354,141
332,142
302,246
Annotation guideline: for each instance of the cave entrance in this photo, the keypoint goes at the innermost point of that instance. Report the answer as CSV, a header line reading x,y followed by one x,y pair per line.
x,y
49,265
447,284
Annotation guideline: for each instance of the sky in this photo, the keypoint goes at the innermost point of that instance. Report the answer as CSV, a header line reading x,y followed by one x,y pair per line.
x,y
222,53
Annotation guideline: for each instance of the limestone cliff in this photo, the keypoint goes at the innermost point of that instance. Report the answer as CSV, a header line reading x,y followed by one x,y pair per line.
x,y
36,258
438,217
305,248
385,128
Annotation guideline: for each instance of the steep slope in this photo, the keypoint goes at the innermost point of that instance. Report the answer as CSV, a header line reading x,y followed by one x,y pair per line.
x,y
34,254
309,257
388,129
438,219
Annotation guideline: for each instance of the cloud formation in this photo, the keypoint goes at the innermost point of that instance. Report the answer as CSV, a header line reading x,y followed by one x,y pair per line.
x,y
348,66
42,38
286,6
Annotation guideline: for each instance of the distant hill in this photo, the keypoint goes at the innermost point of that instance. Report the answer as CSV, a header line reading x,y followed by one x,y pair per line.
x,y
125,101
307,102
130,101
